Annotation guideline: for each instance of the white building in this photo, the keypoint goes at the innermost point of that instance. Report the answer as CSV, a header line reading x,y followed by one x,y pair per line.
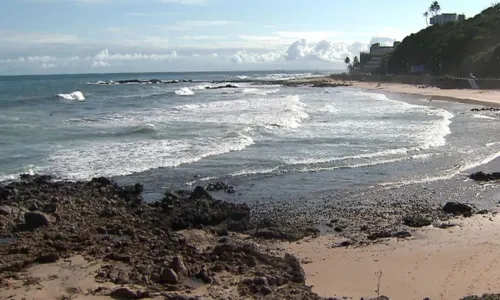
x,y
375,56
446,18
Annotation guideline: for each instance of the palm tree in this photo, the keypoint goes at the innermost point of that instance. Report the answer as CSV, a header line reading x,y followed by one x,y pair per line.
x,y
426,16
435,8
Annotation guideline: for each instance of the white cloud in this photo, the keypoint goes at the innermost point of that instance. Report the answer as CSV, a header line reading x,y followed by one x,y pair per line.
x,y
99,64
48,66
105,56
298,54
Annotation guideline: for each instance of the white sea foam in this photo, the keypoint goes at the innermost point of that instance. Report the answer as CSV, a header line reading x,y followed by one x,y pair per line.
x,y
255,91
476,116
78,96
353,166
246,172
435,135
315,160
329,108
445,175
87,160
279,112
185,91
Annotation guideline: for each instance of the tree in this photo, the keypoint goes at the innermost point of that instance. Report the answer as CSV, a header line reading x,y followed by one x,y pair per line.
x,y
347,62
355,63
426,16
435,8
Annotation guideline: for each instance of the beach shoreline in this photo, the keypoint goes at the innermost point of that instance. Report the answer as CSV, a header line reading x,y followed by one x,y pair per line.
x,y
469,96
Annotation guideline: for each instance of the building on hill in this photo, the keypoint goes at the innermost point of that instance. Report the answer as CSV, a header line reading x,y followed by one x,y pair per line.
x,y
447,18
372,61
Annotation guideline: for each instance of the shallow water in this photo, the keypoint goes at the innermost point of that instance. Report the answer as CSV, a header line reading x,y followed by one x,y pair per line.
x,y
270,142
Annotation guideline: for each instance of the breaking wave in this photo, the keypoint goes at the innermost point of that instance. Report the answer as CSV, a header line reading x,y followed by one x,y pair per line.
x,y
184,92
78,96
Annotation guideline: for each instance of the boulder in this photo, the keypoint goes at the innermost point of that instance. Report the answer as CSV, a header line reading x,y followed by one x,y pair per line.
x,y
123,293
457,208
179,267
7,210
169,276
200,193
481,176
36,219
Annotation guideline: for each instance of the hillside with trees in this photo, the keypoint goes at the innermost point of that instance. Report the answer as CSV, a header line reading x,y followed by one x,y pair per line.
x,y
453,49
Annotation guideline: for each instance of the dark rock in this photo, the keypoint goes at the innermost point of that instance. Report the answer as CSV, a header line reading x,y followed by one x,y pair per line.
x,y
227,86
401,234
483,212
457,208
446,225
34,220
416,221
169,276
200,193
102,180
266,290
482,177
47,258
279,233
6,210
123,293
204,276
179,267
379,235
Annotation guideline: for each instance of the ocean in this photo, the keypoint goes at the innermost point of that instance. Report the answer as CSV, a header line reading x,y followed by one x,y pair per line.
x,y
268,141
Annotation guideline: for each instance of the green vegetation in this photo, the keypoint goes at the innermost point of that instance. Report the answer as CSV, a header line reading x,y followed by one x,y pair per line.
x,y
454,48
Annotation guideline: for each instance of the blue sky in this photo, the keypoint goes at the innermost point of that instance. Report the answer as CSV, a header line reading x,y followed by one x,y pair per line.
x,y
72,36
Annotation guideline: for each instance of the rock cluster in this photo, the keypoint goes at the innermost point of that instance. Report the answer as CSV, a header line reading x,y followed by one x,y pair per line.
x,y
486,109
47,221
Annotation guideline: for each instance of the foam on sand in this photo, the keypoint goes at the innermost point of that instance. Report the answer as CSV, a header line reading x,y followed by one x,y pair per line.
x,y
78,96
185,91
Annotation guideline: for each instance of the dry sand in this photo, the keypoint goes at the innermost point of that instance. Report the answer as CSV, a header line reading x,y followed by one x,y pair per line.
x,y
483,97
435,263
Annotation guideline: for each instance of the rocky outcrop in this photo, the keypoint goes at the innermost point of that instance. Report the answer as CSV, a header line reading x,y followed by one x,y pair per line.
x,y
483,177
102,220
218,87
457,208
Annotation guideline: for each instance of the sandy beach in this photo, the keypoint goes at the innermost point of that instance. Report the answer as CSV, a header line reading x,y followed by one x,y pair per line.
x,y
480,97
435,263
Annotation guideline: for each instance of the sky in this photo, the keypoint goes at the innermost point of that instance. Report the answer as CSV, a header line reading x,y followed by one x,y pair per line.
x,y
105,36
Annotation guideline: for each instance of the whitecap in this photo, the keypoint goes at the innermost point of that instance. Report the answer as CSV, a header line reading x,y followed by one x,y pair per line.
x,y
476,116
72,96
185,91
